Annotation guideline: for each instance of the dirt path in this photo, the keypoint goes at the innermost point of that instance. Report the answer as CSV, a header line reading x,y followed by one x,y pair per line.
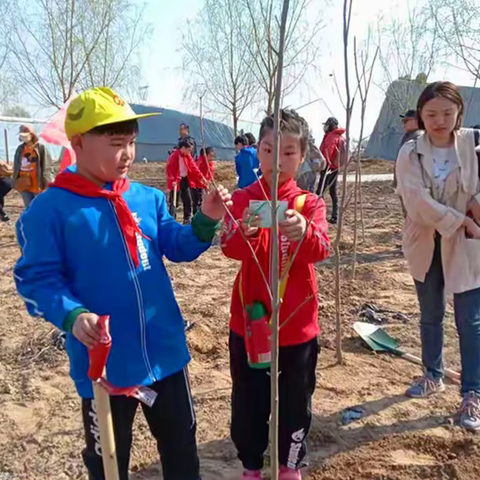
x,y
397,439
370,177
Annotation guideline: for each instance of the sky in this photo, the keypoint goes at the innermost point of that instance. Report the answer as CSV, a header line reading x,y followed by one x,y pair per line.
x,y
161,61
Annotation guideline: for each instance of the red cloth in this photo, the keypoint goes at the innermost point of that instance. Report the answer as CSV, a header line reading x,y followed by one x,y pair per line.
x,y
195,177
54,132
206,168
332,145
67,159
303,326
82,186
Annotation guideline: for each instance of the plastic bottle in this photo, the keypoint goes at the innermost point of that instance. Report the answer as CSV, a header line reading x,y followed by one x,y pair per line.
x,y
258,334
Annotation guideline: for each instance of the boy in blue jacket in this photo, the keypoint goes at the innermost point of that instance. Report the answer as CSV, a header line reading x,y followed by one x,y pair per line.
x,y
246,162
92,245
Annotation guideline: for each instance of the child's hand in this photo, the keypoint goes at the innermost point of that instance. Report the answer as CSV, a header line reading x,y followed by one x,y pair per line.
x,y
87,330
250,222
213,205
294,225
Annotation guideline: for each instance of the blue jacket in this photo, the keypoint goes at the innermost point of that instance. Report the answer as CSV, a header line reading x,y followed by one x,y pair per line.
x,y
74,255
245,161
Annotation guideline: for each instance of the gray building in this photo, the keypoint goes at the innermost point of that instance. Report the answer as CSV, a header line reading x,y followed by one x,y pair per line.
x,y
159,134
401,96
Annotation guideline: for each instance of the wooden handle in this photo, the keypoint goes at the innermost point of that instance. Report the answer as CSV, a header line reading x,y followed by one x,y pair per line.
x,y
448,373
107,439
175,196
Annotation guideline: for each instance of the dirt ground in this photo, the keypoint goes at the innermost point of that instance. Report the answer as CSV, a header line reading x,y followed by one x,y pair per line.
x,y
373,167
397,439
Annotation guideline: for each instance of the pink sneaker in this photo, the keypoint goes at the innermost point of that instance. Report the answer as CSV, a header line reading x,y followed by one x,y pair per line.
x,y
289,474
252,475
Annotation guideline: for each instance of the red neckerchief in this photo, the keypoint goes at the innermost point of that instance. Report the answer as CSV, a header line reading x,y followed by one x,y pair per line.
x,y
287,191
82,186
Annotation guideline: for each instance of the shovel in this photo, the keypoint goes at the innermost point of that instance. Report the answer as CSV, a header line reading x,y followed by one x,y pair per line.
x,y
98,358
174,202
380,341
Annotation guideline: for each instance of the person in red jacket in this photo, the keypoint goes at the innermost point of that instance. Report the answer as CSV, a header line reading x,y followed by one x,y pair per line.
x,y
183,175
334,150
299,309
205,165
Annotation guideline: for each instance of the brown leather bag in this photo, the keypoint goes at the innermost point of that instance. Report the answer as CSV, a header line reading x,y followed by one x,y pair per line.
x,y
6,170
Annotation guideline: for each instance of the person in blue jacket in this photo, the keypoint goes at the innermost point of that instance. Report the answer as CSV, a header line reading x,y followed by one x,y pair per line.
x,y
246,162
93,244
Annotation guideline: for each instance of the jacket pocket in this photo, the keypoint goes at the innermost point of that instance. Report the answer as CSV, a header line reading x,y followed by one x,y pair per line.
x,y
470,268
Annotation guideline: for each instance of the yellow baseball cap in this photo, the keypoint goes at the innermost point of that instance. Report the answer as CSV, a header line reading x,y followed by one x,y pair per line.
x,y
96,107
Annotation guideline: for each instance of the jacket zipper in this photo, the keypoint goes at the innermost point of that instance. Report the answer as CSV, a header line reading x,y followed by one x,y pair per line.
x,y
138,291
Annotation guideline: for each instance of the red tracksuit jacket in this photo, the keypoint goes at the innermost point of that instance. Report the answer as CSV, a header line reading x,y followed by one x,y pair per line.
x,y
195,177
303,326
333,145
207,170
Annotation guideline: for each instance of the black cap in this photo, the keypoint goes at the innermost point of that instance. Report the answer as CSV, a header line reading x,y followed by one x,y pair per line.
x,y
409,114
331,122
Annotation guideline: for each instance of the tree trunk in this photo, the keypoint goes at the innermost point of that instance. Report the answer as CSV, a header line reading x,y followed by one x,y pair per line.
x,y
271,100
275,261
235,122
347,12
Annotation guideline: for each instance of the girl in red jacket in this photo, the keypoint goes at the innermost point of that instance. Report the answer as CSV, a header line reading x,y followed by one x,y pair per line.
x,y
205,165
183,175
334,150
298,328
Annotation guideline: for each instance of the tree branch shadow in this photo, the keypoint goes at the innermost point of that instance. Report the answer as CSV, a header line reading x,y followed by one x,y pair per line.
x,y
328,438
365,258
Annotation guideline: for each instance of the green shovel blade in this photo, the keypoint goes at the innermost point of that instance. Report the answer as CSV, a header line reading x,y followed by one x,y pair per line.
x,y
376,338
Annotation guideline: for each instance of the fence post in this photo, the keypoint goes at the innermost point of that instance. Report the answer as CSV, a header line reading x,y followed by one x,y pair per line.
x,y
6,145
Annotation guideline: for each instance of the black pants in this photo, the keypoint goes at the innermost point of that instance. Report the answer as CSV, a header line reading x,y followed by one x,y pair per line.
x,y
5,187
197,199
186,197
251,403
330,184
171,420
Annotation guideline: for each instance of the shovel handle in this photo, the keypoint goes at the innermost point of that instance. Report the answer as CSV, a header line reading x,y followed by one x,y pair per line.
x,y
107,439
448,373
175,194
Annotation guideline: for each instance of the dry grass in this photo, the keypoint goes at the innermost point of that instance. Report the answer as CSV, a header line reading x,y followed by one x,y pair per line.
x,y
399,439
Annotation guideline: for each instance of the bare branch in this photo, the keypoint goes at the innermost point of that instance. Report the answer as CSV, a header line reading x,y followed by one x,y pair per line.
x,y
62,46
300,44
214,39
406,50
457,29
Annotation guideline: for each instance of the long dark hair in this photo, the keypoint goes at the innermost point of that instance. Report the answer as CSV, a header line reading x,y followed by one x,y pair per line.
x,y
209,150
252,141
446,90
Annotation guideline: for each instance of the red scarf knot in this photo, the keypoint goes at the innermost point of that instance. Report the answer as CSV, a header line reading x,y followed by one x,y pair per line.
x,y
83,186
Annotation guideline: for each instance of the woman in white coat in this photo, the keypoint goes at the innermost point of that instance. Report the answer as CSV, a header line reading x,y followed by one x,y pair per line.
x,y
438,179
